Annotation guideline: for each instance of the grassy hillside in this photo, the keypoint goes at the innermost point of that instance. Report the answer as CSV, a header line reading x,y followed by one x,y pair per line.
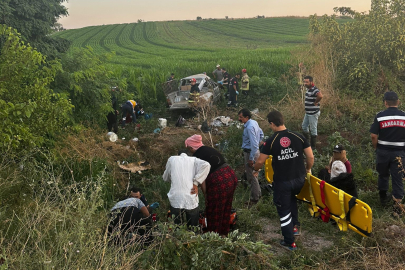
x,y
262,45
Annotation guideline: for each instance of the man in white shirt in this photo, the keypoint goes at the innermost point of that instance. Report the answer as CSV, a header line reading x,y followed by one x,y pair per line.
x,y
186,174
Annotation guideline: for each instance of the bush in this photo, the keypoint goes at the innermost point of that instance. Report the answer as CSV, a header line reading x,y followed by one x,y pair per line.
x,y
31,112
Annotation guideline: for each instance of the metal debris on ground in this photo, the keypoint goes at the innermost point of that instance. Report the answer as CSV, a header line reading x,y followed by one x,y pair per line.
x,y
111,136
221,121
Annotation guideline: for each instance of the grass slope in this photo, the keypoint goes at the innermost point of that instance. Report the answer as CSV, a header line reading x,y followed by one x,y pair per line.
x,y
261,45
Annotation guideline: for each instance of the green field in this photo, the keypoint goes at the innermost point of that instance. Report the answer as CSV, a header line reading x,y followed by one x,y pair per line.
x,y
262,45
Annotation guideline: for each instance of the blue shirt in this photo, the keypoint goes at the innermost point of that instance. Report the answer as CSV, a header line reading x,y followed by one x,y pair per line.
x,y
252,134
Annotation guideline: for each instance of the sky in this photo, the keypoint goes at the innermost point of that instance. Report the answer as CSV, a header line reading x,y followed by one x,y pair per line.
x,y
98,12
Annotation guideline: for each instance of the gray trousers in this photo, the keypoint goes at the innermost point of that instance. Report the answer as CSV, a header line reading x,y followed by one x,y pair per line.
x,y
255,191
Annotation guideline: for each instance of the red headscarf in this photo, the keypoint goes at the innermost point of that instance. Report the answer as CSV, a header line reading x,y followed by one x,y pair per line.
x,y
194,141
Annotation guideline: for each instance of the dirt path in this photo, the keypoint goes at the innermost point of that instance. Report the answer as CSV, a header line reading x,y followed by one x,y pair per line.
x,y
271,234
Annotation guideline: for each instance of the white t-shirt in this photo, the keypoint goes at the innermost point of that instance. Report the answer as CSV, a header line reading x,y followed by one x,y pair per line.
x,y
182,171
135,202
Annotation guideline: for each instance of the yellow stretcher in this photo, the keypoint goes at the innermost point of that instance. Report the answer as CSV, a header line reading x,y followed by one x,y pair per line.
x,y
347,211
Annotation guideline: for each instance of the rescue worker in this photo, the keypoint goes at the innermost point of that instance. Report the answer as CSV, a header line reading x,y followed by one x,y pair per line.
x,y
245,83
288,149
233,91
194,91
225,80
252,135
312,110
388,138
128,108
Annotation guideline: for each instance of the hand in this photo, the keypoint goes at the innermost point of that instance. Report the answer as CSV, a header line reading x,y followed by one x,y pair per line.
x,y
309,171
194,190
250,163
255,174
315,104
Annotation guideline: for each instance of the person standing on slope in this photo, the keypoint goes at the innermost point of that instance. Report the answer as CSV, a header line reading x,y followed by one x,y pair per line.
x,y
312,110
288,149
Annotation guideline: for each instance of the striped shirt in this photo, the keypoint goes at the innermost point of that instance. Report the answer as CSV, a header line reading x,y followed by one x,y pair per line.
x,y
389,125
310,97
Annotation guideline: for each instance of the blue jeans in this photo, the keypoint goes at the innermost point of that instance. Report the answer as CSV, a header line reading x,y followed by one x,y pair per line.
x,y
311,123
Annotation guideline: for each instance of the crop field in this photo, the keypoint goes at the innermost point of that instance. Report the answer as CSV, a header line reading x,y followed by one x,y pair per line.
x,y
152,50
261,45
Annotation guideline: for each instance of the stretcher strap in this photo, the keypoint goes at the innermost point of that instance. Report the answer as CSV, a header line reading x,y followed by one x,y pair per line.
x,y
342,203
342,223
325,213
314,207
352,203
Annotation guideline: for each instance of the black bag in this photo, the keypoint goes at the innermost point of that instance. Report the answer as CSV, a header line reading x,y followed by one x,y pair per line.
x,y
180,121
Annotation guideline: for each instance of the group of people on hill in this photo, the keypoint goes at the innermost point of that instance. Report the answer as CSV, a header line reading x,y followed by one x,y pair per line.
x,y
205,167
131,110
231,84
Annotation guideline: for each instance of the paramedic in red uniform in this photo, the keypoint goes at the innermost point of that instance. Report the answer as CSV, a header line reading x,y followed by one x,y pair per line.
x,y
388,138
288,149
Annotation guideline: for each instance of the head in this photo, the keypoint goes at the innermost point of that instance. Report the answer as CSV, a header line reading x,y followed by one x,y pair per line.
x,y
193,81
237,75
182,151
223,70
135,192
218,67
244,70
193,143
339,153
172,75
244,115
337,168
275,119
391,99
308,81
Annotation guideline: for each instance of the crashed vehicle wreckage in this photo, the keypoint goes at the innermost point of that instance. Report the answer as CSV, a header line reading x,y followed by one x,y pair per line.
x,y
178,92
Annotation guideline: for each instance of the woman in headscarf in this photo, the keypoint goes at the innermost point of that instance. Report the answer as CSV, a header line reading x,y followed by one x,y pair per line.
x,y
219,186
339,154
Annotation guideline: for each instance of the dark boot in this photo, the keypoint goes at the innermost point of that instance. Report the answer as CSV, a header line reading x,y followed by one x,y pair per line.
x,y
385,197
306,135
313,142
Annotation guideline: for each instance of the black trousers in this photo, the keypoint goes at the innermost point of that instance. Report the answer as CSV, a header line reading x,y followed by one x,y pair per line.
x,y
286,203
127,109
388,162
128,220
192,216
112,123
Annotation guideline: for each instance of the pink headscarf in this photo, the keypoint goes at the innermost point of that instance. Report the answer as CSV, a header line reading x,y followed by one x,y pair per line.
x,y
194,141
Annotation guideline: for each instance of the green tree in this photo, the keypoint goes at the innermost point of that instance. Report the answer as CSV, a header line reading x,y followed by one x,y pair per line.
x,y
35,20
85,79
30,111
368,52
